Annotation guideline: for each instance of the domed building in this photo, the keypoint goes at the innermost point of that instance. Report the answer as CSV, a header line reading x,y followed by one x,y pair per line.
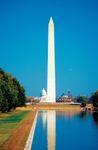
x,y
44,92
43,95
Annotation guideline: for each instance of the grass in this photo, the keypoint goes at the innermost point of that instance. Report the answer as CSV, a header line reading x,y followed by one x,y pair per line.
x,y
9,122
55,106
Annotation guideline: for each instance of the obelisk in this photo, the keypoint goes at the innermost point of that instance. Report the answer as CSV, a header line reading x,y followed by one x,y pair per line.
x,y
51,91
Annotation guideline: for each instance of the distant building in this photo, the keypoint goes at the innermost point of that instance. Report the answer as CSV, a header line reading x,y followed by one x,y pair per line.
x,y
65,98
31,100
43,97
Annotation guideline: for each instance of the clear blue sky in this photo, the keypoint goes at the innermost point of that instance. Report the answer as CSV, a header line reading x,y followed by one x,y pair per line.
x,y
23,43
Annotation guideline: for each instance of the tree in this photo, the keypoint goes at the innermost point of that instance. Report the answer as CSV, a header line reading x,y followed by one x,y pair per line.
x,y
94,98
1,98
20,93
82,99
83,104
12,94
21,96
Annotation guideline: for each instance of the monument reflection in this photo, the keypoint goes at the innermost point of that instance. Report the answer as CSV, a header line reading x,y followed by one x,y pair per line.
x,y
49,118
55,130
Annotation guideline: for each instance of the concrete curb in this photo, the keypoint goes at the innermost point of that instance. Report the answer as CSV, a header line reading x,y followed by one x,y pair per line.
x,y
31,135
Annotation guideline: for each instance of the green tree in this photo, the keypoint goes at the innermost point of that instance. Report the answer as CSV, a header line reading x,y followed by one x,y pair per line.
x,y
21,96
94,98
1,98
12,94
20,93
83,104
82,99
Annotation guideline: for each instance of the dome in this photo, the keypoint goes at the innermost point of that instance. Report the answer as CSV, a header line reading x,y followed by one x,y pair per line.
x,y
44,92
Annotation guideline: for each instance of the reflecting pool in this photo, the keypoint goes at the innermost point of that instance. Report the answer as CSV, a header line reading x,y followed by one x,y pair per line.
x,y
66,130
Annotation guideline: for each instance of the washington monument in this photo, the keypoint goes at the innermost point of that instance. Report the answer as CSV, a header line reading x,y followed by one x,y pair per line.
x,y
51,87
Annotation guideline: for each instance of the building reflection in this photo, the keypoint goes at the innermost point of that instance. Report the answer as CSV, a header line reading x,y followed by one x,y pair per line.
x,y
44,119
50,118
67,114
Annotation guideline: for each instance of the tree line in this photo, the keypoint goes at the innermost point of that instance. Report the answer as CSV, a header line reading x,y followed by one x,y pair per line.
x,y
12,94
84,100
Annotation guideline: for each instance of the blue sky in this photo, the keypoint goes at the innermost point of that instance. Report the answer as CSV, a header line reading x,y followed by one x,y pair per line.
x,y
24,36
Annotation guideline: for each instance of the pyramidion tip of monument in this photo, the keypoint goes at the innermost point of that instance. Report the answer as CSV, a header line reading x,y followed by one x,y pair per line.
x,y
51,20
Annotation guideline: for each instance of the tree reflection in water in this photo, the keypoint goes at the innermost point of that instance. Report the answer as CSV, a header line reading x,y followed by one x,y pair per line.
x,y
95,117
83,114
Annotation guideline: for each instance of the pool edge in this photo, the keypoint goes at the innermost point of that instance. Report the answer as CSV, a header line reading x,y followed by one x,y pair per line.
x,y
31,134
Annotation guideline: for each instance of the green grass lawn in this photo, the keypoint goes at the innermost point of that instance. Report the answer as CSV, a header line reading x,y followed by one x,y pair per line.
x,y
9,122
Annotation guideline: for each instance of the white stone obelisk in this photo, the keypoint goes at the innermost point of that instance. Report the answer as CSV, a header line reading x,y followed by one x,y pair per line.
x,y
51,91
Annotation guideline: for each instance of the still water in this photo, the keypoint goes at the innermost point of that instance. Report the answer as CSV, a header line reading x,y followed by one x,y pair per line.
x,y
60,130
